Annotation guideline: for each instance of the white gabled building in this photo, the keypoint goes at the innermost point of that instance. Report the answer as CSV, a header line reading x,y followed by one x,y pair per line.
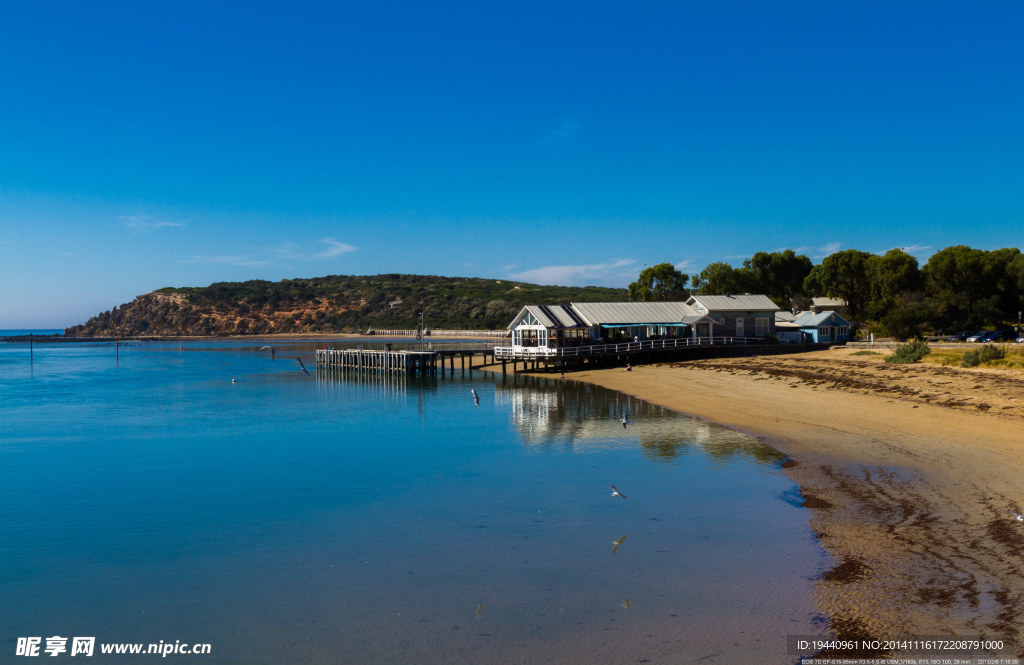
x,y
582,324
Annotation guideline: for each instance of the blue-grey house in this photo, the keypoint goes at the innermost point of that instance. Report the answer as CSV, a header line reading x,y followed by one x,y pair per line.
x,y
812,327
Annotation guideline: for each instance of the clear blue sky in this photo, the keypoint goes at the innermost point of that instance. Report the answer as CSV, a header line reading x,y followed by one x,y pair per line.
x,y
151,144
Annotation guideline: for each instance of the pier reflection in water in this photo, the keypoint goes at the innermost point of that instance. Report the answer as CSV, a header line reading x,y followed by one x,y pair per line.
x,y
552,412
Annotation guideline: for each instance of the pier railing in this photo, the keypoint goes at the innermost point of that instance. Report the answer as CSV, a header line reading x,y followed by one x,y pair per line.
x,y
438,333
531,352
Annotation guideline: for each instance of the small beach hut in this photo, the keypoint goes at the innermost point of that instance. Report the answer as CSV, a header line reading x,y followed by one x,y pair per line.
x,y
812,327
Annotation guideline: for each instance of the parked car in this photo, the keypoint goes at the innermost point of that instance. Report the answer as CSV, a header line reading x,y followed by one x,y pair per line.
x,y
963,335
978,336
1001,336
1020,340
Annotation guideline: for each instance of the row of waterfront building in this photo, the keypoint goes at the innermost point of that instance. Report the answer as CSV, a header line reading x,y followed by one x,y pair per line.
x,y
707,319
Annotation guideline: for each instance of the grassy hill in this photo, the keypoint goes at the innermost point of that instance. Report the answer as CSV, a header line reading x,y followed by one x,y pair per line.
x,y
337,303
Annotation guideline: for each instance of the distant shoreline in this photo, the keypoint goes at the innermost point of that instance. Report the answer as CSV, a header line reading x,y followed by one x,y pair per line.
x,y
59,338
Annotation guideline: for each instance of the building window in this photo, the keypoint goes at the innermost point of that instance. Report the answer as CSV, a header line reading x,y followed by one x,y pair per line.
x,y
761,327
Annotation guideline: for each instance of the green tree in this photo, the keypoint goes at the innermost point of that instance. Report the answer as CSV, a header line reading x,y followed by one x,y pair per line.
x,y
894,276
719,278
955,278
778,275
842,275
658,283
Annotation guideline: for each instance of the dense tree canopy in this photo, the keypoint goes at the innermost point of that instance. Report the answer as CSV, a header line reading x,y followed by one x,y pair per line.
x,y
660,282
719,278
843,275
958,288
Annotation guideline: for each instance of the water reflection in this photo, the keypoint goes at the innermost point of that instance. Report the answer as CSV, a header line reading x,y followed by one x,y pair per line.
x,y
586,418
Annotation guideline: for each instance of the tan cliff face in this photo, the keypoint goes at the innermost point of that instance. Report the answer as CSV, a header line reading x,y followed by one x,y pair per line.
x,y
172,314
331,304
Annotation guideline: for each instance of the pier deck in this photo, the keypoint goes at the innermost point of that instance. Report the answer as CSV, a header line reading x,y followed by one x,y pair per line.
x,y
403,361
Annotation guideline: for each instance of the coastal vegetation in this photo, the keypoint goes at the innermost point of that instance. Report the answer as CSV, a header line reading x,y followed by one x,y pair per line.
x,y
330,304
909,353
887,294
982,354
959,288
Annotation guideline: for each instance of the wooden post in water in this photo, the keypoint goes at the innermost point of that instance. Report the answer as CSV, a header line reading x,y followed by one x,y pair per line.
x,y
31,351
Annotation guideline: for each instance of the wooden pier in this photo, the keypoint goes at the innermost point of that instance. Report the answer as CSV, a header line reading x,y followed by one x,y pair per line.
x,y
359,360
404,361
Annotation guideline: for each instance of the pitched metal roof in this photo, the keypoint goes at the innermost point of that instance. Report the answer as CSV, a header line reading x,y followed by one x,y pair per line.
x,y
604,313
827,302
784,316
746,303
553,316
813,320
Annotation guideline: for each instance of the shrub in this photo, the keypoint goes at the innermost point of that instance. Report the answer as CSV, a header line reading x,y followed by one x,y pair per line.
x,y
910,352
982,354
865,353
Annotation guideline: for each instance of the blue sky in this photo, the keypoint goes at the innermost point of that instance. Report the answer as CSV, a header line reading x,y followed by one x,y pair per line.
x,y
147,144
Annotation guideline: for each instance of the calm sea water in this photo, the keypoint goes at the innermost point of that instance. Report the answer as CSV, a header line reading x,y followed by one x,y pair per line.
x,y
33,331
285,518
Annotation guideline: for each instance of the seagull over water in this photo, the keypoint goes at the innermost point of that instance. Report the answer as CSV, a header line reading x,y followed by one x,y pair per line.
x,y
625,421
303,367
273,351
616,492
476,398
616,544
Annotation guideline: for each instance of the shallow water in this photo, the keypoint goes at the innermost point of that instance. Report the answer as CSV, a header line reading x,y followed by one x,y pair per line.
x,y
292,519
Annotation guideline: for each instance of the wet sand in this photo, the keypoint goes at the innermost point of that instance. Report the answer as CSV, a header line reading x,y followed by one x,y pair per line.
x,y
908,472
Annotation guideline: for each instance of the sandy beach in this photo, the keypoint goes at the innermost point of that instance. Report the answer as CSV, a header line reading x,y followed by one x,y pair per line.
x,y
908,472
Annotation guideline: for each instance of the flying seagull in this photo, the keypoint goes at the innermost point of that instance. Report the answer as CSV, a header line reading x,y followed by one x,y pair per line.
x,y
476,398
1016,515
616,544
273,351
303,366
616,492
625,420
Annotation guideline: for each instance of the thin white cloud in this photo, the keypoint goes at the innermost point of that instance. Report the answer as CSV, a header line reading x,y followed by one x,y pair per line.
x,y
279,255
241,261
144,223
910,249
334,248
567,128
612,272
820,251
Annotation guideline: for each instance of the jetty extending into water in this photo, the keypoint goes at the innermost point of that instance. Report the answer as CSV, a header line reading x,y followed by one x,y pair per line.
x,y
405,361
440,360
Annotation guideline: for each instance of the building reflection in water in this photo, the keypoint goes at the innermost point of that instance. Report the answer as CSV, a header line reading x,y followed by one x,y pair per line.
x,y
583,418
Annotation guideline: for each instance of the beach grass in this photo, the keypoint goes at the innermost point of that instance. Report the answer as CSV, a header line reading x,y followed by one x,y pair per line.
x,y
1012,360
911,352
